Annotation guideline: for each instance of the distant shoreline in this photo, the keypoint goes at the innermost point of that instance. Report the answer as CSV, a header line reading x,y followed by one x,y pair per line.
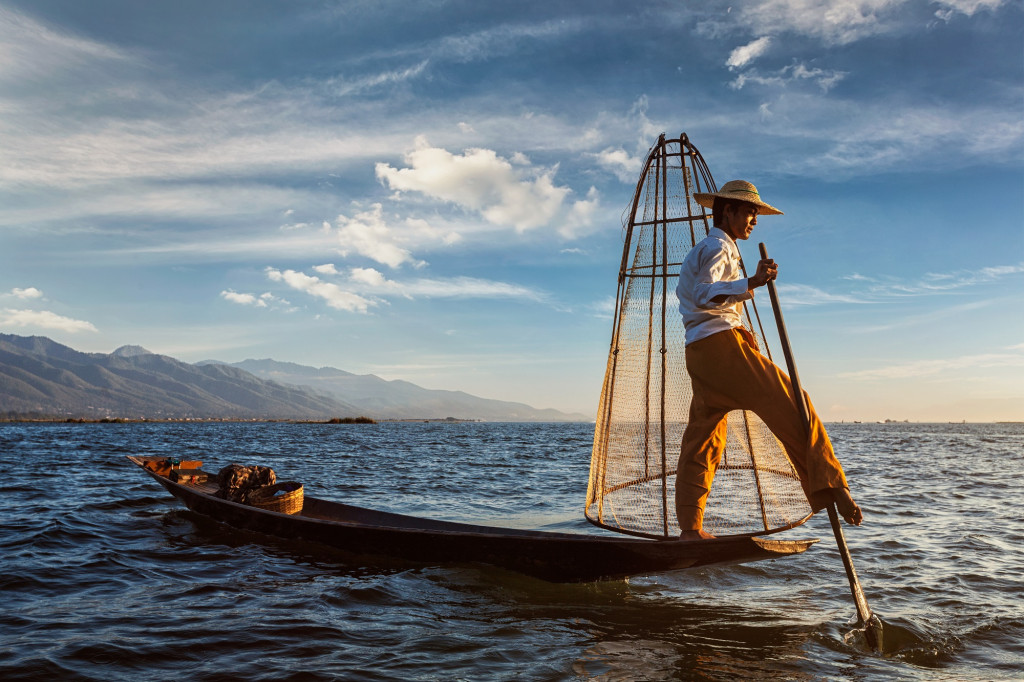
x,y
405,420
248,420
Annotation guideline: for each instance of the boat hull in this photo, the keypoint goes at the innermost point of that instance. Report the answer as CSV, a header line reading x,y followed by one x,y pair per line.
x,y
555,557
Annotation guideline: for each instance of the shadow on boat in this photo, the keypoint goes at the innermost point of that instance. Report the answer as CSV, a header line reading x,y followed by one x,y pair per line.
x,y
188,530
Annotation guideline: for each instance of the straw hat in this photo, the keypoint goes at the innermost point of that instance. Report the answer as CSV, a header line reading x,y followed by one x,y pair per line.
x,y
737,190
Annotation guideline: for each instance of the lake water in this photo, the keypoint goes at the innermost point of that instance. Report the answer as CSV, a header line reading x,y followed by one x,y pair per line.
x,y
105,576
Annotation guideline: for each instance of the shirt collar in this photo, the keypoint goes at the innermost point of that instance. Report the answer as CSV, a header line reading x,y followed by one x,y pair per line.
x,y
719,233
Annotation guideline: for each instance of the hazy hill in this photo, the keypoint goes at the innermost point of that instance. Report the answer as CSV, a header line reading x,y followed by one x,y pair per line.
x,y
40,376
398,399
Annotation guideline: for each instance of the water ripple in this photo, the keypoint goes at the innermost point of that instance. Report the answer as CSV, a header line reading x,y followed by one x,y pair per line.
x,y
105,576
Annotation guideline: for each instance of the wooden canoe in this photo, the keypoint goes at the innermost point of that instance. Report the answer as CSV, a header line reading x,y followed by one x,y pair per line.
x,y
556,557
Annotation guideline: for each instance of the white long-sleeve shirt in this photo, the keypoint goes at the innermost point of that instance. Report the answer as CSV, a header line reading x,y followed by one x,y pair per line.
x,y
711,287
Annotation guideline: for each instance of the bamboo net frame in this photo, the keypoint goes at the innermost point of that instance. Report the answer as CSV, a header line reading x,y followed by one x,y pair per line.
x,y
646,394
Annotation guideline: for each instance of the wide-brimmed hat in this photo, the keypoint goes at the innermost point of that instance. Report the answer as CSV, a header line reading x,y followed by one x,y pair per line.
x,y
736,190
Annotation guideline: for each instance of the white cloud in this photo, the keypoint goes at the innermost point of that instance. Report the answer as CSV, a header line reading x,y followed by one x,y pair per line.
x,y
264,300
368,234
480,180
332,294
43,319
421,232
243,299
625,166
369,277
26,293
581,214
326,269
745,54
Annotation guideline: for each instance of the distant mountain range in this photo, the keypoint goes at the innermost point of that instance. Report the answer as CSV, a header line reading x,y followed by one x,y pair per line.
x,y
39,377
398,399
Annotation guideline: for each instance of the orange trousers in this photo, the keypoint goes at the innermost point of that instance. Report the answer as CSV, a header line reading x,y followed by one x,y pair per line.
x,y
729,373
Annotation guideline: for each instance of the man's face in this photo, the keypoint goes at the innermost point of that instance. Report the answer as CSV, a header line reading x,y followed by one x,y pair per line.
x,y
740,220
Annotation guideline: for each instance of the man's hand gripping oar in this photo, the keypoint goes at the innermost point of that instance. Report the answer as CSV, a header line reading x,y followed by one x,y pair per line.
x,y
871,624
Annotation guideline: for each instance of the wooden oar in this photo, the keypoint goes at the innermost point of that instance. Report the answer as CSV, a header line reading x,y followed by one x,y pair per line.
x,y
870,622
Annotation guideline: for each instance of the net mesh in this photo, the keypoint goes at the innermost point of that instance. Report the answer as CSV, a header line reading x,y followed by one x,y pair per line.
x,y
646,394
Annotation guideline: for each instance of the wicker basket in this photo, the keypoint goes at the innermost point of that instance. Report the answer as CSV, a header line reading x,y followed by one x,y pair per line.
x,y
289,502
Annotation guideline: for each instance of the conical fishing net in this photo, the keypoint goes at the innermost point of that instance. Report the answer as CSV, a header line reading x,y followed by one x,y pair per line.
x,y
646,394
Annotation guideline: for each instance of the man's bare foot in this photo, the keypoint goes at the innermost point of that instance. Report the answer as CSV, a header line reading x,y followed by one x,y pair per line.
x,y
695,535
848,509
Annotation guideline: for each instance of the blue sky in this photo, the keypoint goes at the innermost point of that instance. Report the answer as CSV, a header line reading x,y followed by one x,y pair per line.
x,y
433,191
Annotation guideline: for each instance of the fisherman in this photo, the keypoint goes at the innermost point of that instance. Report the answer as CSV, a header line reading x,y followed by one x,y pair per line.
x,y
729,373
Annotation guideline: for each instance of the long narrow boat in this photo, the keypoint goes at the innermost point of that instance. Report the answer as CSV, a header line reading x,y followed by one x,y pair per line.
x,y
556,557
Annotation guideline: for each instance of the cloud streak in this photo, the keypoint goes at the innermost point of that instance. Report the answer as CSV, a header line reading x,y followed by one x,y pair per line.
x,y
359,289
805,295
825,79
333,295
936,282
869,290
341,87
43,319
29,50
449,287
926,368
